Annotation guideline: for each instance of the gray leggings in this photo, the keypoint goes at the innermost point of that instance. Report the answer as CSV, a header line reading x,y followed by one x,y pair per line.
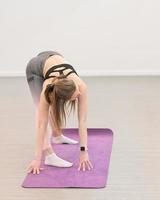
x,y
34,73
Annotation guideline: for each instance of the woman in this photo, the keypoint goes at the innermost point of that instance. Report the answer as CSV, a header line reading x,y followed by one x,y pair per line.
x,y
54,83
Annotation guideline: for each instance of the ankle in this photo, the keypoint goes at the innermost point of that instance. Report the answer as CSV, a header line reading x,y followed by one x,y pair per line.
x,y
48,150
56,134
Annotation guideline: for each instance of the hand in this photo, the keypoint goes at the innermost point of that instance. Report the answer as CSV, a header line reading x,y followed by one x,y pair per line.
x,y
35,167
84,161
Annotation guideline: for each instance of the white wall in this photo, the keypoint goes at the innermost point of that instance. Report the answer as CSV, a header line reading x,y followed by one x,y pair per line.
x,y
97,37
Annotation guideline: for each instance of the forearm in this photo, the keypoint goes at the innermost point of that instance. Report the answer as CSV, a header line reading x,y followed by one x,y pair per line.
x,y
40,136
83,134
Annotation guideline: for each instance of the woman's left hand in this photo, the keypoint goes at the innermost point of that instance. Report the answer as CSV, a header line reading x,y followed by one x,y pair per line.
x,y
84,161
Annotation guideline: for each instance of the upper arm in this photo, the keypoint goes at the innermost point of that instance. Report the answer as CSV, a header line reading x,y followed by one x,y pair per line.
x,y
43,111
82,105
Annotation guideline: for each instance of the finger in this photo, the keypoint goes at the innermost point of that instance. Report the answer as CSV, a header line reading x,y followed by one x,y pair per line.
x,y
29,169
37,171
83,166
88,165
79,166
34,170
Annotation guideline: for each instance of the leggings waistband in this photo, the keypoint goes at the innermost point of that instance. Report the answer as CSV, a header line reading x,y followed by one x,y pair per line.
x,y
36,64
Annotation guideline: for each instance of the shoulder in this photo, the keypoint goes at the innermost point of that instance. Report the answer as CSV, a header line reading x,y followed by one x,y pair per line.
x,y
82,85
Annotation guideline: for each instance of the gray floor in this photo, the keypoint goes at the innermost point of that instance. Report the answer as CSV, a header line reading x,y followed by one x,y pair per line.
x,y
130,106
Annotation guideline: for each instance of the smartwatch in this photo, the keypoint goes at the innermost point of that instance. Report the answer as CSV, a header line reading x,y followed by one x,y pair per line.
x,y
82,148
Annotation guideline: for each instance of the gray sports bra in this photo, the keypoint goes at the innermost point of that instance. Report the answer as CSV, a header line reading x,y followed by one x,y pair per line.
x,y
65,65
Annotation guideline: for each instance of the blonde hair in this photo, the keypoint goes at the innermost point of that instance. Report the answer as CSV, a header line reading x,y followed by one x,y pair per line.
x,y
58,94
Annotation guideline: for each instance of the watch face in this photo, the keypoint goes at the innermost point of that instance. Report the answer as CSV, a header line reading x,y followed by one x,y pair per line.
x,y
82,148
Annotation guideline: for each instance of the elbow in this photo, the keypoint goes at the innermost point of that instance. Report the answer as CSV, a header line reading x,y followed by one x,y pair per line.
x,y
41,123
42,126
41,131
82,119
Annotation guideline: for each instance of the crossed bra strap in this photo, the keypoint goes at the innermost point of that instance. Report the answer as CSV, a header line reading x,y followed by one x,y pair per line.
x,y
65,65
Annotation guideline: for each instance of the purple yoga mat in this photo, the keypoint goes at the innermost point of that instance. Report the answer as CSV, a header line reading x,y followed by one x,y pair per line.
x,y
99,149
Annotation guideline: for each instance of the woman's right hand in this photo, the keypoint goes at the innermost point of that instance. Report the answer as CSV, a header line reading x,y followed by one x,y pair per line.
x,y
34,167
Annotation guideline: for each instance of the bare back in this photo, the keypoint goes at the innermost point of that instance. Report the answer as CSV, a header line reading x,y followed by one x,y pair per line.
x,y
55,60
